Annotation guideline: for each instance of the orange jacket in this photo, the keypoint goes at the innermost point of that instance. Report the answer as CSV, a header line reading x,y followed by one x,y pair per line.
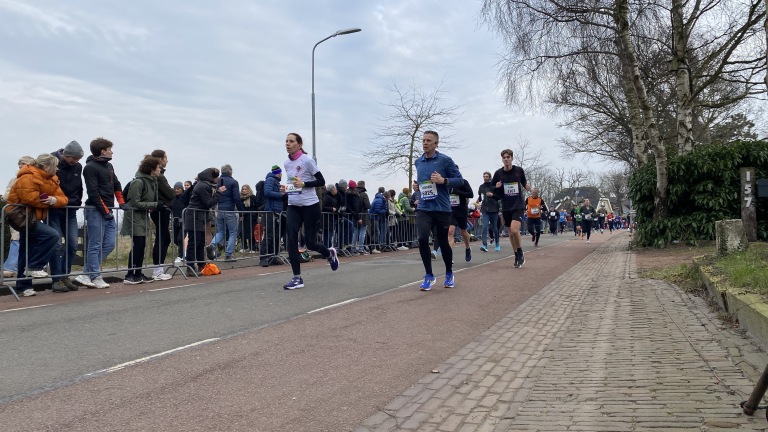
x,y
32,181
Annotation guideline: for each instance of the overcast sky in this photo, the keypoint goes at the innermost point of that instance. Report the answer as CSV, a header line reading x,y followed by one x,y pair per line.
x,y
224,82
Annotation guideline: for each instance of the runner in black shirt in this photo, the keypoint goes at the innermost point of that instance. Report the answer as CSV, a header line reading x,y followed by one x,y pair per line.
x,y
508,182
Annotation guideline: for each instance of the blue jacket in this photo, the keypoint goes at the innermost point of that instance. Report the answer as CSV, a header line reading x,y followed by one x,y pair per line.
x,y
444,166
272,194
230,198
379,205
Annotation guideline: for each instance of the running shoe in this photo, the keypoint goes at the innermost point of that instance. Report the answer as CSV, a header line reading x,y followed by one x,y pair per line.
x,y
521,259
517,260
498,247
132,280
449,280
333,259
468,255
429,280
434,254
295,283
29,292
483,248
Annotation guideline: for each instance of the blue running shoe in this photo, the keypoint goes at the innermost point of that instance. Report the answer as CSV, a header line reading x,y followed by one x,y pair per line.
x,y
333,259
468,255
295,283
449,280
483,248
498,247
429,280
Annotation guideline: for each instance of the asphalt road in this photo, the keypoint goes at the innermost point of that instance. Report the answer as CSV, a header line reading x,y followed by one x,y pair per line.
x,y
237,352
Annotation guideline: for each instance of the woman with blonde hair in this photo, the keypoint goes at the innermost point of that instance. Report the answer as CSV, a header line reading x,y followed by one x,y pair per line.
x,y
248,220
37,188
12,260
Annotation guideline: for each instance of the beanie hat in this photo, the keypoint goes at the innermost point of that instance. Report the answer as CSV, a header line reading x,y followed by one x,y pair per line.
x,y
352,184
179,185
276,170
342,183
73,149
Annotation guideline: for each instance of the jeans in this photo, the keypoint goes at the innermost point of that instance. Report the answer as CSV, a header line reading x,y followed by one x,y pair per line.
x,y
358,237
12,260
226,221
35,250
490,220
64,221
345,231
101,240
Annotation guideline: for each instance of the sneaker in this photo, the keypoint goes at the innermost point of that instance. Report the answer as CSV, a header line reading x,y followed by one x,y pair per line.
x,y
483,248
264,262
587,241
132,280
449,280
178,260
521,259
35,273
403,248
29,292
9,273
429,280
517,260
229,258
498,247
434,255
59,286
98,282
85,281
68,283
537,244
295,283
375,251
146,279
333,259
162,277
468,255
533,238
210,252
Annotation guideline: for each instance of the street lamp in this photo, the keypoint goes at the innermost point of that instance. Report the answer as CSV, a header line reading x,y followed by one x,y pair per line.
x,y
338,33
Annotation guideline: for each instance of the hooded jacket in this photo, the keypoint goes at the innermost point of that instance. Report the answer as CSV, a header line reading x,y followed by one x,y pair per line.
x,y
70,179
272,194
32,181
205,195
142,196
102,185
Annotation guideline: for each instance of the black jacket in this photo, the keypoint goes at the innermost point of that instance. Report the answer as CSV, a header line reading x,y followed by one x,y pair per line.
x,y
489,204
205,195
102,185
464,192
165,192
70,180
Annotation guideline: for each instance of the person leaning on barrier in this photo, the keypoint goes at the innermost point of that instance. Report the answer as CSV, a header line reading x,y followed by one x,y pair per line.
x,y
178,204
64,221
273,221
142,198
356,215
161,218
249,219
205,195
227,220
37,187
11,264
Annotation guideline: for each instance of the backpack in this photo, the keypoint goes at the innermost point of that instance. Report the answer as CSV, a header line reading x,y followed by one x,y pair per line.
x,y
260,198
126,188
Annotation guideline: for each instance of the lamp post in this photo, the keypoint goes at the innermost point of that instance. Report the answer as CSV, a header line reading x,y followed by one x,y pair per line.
x,y
338,33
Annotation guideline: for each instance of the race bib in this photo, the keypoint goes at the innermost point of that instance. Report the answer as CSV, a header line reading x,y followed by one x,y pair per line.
x,y
454,200
511,189
588,217
290,189
534,211
428,190
552,214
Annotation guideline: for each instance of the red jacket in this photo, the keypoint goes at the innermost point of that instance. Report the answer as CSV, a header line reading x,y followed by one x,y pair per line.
x,y
32,181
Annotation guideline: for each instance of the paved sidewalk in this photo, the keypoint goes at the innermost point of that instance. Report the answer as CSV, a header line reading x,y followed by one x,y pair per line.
x,y
598,349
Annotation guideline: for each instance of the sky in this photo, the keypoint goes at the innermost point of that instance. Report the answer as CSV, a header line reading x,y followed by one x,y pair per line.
x,y
215,83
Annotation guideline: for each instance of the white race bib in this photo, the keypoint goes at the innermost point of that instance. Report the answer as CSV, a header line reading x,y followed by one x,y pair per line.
x,y
553,214
588,216
428,190
290,189
534,211
454,200
511,189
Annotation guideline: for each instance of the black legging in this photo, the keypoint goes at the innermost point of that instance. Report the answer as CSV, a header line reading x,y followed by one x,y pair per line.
x,y
136,255
586,227
440,221
309,216
161,218
534,227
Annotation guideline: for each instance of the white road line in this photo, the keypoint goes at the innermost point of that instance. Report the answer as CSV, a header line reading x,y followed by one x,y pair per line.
x,y
144,359
333,305
174,287
25,308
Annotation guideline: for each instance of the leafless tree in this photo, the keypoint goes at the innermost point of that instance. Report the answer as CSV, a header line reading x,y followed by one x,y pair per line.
x,y
412,112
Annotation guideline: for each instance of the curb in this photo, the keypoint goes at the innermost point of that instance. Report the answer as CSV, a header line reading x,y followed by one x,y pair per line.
x,y
749,309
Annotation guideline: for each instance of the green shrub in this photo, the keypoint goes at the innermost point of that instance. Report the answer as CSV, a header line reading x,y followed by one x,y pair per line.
x,y
704,187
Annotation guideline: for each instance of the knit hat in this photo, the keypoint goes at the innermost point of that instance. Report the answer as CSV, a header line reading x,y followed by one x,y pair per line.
x,y
342,183
179,185
73,149
276,170
352,184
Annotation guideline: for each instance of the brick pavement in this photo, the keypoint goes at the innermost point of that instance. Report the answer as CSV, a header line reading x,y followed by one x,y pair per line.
x,y
598,349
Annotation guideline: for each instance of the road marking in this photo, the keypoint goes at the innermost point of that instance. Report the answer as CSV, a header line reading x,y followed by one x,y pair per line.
x,y
25,308
333,305
144,359
174,287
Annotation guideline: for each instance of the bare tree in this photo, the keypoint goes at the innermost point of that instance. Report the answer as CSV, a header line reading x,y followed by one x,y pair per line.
x,y
413,112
